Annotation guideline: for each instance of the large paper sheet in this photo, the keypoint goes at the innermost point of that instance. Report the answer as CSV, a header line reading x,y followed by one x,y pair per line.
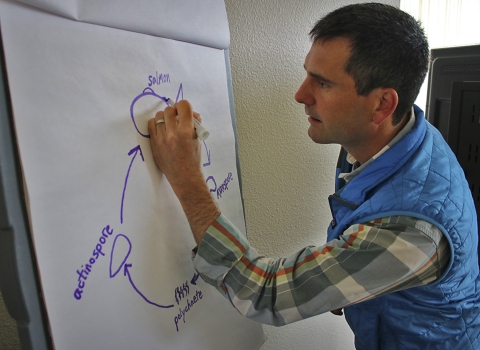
x,y
111,240
200,22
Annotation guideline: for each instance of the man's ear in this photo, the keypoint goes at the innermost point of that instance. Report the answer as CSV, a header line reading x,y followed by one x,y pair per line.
x,y
386,104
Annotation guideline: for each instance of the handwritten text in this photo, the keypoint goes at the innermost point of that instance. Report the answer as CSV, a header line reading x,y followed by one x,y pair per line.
x,y
158,78
85,270
182,312
224,187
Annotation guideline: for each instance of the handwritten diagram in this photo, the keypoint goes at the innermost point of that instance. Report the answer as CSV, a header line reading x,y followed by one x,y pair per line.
x,y
188,294
126,267
148,92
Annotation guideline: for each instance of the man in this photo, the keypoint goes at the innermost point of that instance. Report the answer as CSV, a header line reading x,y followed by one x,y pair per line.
x,y
401,252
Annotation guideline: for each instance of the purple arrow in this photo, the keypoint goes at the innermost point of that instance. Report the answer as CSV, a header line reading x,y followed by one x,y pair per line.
x,y
194,279
126,272
208,155
126,267
180,92
133,151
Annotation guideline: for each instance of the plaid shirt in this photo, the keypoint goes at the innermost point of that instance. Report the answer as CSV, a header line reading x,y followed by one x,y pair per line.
x,y
368,260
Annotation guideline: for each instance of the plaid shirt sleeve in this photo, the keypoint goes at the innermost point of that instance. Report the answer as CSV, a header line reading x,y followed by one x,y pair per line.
x,y
368,260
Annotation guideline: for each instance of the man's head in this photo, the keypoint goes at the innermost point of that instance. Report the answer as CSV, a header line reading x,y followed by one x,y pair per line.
x,y
388,48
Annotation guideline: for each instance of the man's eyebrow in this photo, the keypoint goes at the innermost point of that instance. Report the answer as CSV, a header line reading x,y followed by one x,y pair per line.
x,y
318,76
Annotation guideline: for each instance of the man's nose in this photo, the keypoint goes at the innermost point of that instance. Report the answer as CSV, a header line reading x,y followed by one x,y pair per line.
x,y
302,95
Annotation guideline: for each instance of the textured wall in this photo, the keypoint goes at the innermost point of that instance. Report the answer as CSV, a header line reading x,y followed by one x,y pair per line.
x,y
286,177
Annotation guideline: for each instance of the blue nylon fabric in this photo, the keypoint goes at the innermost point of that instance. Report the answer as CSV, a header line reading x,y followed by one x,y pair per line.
x,y
418,176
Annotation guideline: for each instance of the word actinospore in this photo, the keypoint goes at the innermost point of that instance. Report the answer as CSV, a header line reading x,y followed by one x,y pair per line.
x,y
86,269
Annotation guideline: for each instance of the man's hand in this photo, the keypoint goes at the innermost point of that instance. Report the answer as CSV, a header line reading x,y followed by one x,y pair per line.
x,y
175,147
177,152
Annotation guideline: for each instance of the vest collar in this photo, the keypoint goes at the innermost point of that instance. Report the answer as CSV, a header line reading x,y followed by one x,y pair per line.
x,y
387,163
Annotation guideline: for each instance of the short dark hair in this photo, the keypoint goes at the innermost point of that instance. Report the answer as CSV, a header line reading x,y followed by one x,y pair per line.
x,y
388,49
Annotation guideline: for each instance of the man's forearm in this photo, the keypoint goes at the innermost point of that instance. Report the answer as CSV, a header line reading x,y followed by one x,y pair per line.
x,y
177,152
199,207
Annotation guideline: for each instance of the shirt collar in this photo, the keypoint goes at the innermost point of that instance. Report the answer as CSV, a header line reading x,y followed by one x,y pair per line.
x,y
357,169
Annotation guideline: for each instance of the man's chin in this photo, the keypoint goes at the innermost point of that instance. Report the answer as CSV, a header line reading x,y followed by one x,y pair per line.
x,y
314,135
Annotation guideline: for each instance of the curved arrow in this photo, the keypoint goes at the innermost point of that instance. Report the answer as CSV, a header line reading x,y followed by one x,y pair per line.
x,y
133,151
126,272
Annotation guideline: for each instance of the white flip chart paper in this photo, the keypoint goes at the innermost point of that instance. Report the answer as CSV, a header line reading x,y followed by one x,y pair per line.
x,y
111,240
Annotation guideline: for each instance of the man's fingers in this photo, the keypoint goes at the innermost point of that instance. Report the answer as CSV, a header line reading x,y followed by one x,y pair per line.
x,y
170,116
152,127
181,115
185,113
197,117
155,123
159,118
152,123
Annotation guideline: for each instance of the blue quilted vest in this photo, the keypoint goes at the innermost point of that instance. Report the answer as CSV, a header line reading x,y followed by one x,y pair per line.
x,y
418,176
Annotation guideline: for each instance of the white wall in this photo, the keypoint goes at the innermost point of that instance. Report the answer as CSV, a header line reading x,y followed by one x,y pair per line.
x,y
286,177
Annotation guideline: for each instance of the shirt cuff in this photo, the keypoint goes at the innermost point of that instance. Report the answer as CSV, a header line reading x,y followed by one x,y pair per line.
x,y
220,249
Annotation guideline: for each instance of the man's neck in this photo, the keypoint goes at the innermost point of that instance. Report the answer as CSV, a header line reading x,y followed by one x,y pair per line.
x,y
383,136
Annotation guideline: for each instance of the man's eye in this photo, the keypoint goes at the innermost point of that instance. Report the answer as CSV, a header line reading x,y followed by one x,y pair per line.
x,y
322,84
